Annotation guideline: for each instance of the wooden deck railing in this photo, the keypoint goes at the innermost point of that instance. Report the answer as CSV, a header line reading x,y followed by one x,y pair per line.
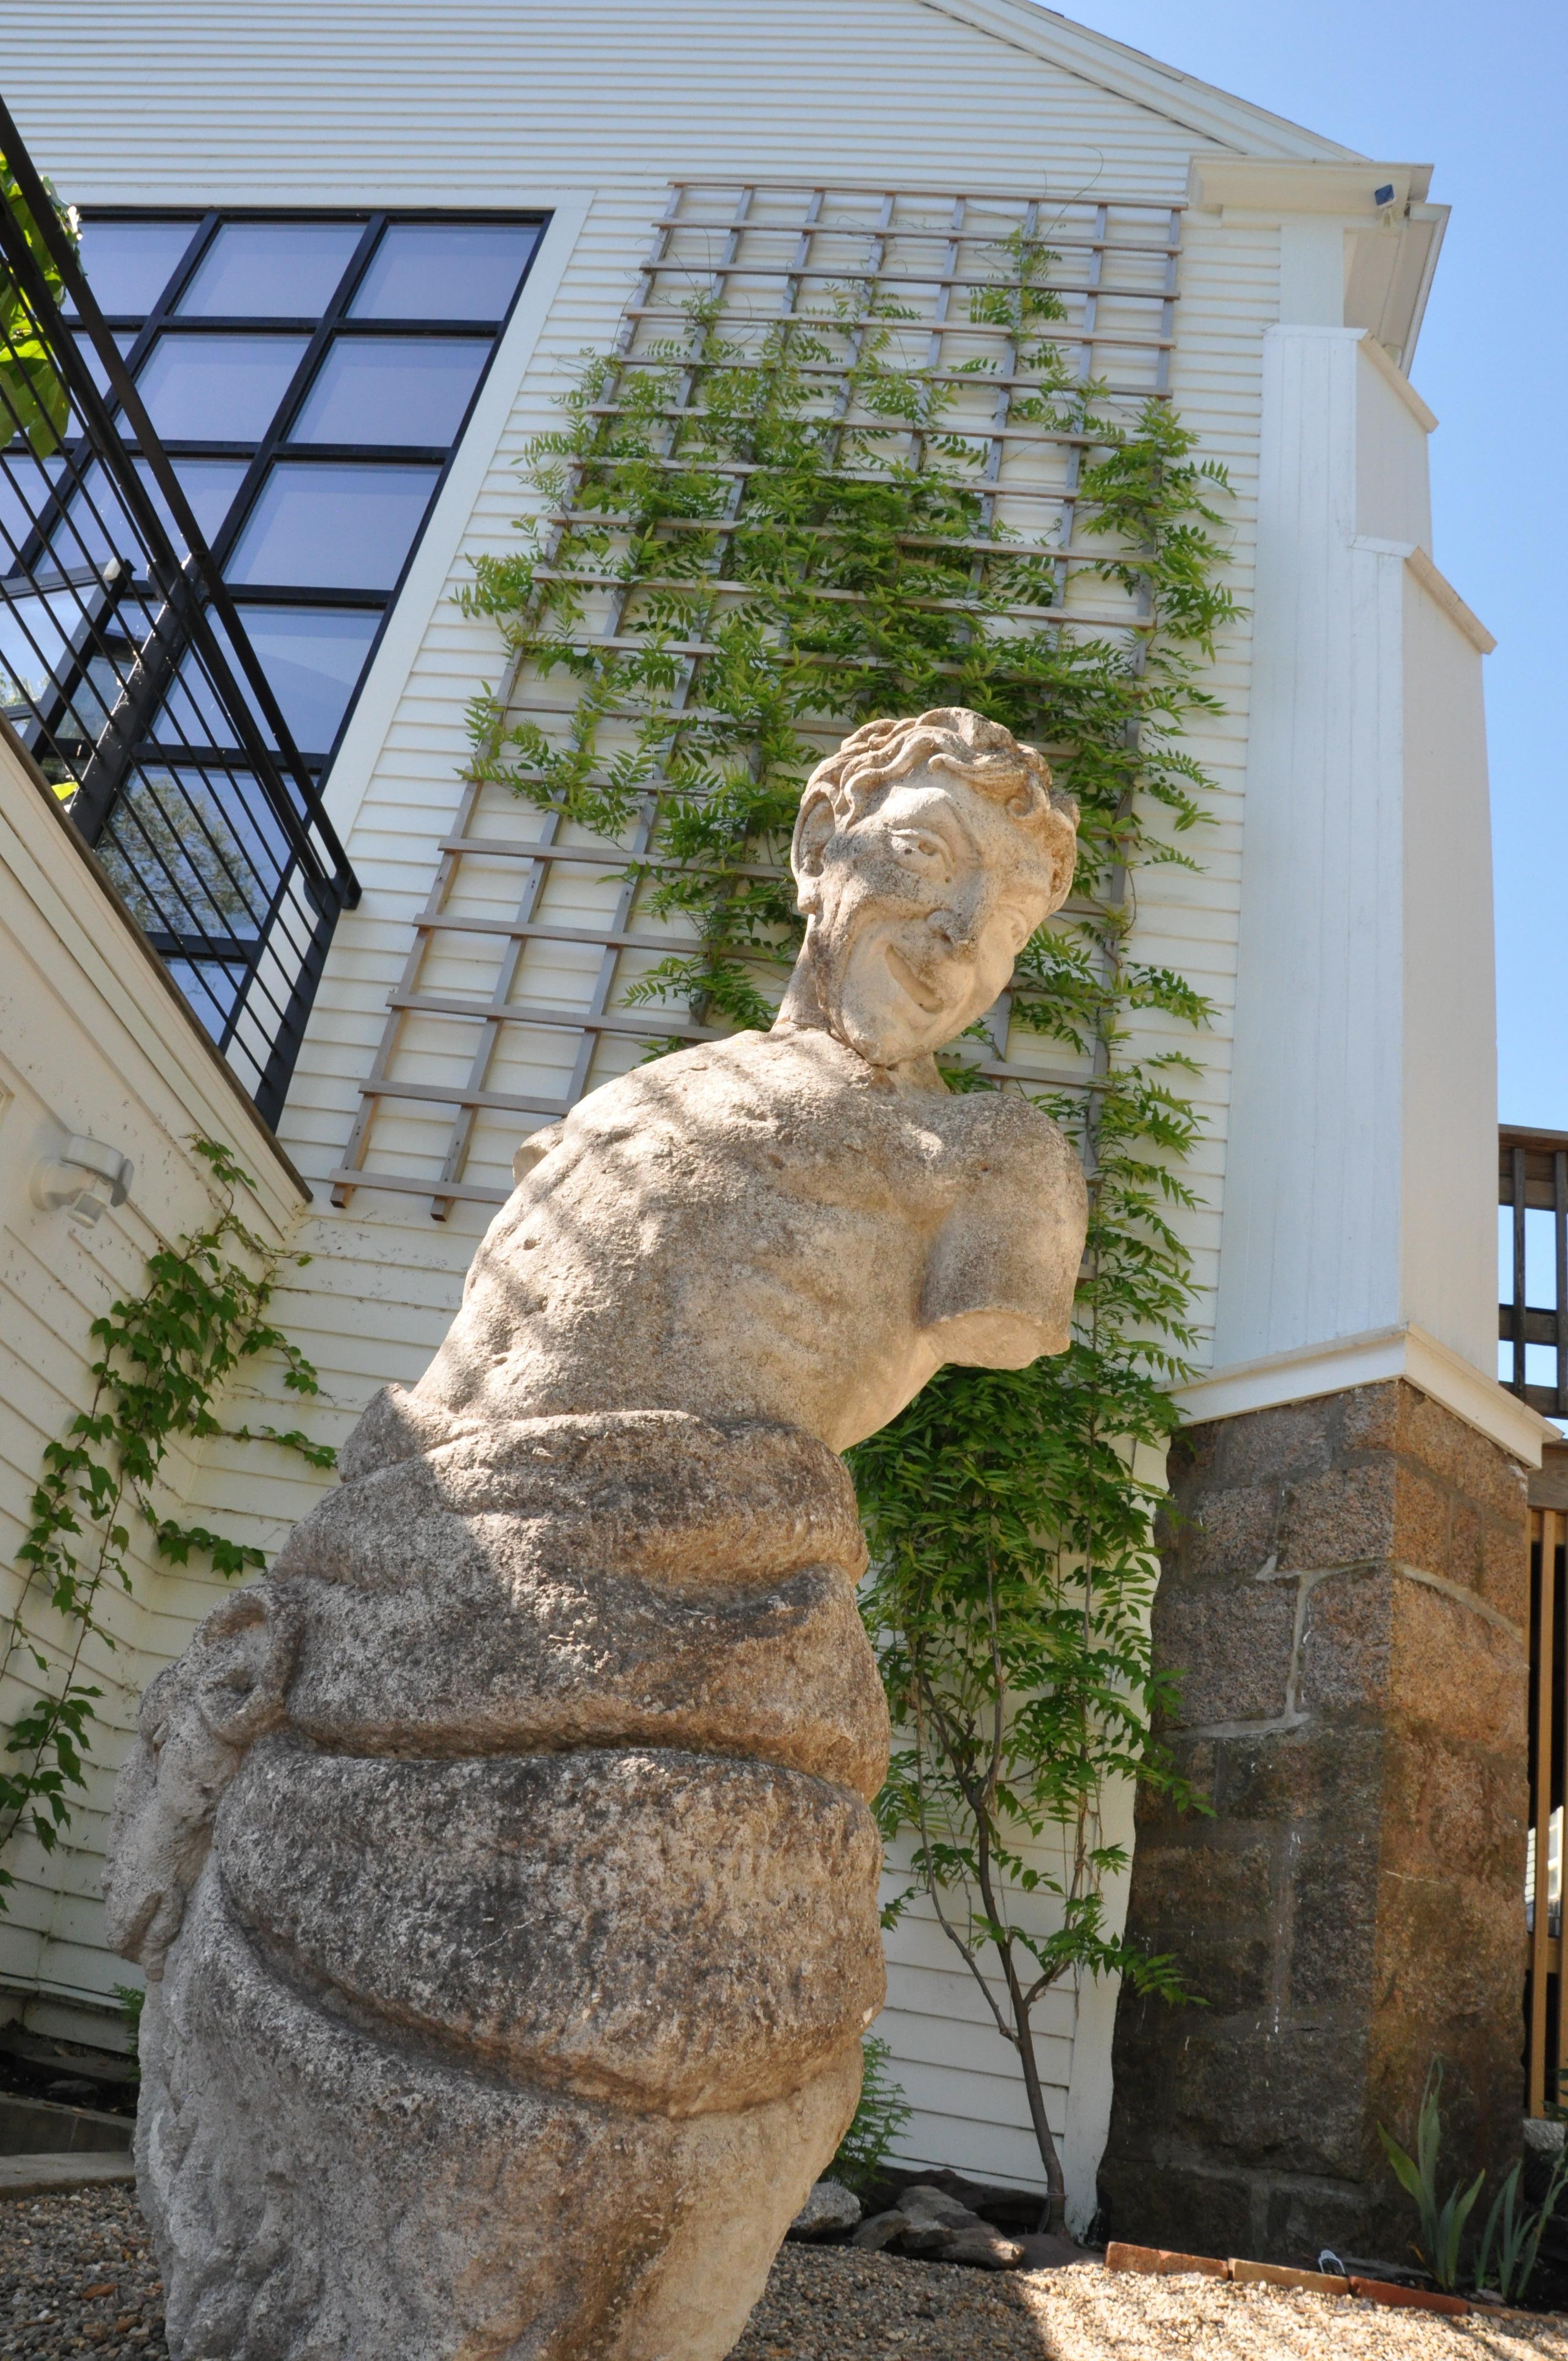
x,y
1532,1174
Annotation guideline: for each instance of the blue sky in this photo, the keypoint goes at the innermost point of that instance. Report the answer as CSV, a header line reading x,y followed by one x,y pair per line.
x,y
1481,93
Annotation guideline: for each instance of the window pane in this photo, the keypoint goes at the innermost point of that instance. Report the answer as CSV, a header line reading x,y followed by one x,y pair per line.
x,y
35,636
312,657
123,340
271,270
444,270
27,485
216,388
97,530
390,390
193,853
334,528
130,263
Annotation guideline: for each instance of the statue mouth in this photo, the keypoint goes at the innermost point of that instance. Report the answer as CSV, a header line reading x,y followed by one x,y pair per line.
x,y
925,996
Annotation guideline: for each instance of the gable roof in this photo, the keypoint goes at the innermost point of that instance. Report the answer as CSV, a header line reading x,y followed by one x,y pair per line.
x,y
1232,121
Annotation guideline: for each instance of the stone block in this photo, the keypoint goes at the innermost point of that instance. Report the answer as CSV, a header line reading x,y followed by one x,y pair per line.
x,y
1186,2205
1366,2216
1228,1532
1230,1649
1189,1889
1272,2093
1332,1933
1504,1577
1346,1632
1366,1417
1452,1810
1455,1671
1423,1520
1301,1775
1454,1451
1343,1517
1285,1446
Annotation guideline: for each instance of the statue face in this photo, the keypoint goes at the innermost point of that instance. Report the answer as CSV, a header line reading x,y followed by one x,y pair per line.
x,y
921,908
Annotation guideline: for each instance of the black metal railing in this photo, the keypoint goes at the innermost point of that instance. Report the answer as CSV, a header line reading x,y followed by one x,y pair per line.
x,y
1532,1175
128,673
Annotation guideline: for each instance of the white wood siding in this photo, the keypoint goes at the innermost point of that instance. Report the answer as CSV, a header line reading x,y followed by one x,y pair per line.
x,y
93,1039
592,109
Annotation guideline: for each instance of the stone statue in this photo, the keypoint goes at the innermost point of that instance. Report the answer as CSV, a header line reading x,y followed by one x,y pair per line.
x,y
501,1865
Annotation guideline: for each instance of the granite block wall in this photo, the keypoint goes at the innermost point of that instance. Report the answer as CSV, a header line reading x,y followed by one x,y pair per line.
x,y
1345,1593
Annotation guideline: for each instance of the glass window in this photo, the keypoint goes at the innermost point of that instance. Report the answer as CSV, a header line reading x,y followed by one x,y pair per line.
x,y
216,388
123,340
91,534
129,263
199,851
212,988
312,656
444,270
391,390
35,635
27,486
286,271
327,527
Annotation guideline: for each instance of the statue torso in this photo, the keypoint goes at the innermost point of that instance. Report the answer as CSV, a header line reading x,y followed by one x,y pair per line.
x,y
766,1229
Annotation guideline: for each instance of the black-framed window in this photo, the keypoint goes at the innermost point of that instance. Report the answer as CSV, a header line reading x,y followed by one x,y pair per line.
x,y
310,375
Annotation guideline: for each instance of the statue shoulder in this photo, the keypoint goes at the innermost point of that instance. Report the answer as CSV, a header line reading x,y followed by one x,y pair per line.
x,y
999,1126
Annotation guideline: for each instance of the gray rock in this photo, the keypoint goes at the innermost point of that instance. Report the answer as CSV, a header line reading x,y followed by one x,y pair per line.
x,y
927,2207
987,2248
502,1866
829,2207
881,2231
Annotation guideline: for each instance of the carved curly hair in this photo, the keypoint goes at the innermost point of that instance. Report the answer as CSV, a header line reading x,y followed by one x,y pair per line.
x,y
949,738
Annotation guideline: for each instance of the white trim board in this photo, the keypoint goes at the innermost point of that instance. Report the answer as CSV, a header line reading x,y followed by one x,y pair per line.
x,y
1132,73
1310,1371
424,585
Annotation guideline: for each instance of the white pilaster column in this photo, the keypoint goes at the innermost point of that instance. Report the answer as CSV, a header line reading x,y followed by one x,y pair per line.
x,y
1361,1178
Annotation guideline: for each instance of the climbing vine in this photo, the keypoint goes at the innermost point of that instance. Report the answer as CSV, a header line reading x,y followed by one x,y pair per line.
x,y
164,1358
759,537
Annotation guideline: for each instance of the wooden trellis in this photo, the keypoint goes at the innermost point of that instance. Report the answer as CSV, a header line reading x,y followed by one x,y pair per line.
x,y
511,1004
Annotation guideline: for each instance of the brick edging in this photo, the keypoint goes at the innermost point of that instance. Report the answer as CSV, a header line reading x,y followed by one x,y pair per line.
x,y
1162,2262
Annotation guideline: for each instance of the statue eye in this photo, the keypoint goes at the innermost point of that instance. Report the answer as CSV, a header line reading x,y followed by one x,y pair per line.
x,y
924,848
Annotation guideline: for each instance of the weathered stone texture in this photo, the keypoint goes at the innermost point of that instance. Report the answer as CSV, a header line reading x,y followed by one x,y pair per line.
x,y
1344,1589
503,1865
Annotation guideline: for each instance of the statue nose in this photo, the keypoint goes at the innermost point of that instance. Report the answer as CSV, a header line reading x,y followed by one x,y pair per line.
x,y
954,929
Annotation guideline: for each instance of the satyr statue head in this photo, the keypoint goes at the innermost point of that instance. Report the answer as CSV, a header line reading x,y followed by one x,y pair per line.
x,y
925,853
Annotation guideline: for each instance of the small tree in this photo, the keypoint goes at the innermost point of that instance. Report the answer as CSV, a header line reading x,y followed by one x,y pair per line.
x,y
1013,1570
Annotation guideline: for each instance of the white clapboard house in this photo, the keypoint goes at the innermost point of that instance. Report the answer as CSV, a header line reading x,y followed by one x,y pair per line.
x,y
352,253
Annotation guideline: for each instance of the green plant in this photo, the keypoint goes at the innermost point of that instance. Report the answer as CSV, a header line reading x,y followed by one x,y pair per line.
x,y
880,2115
34,400
1516,2232
793,528
1442,2219
165,1357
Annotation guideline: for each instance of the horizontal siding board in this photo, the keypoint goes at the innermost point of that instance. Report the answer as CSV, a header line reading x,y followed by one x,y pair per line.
x,y
165,103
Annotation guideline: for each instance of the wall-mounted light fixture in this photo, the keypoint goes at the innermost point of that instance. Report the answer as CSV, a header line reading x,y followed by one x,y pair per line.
x,y
87,1177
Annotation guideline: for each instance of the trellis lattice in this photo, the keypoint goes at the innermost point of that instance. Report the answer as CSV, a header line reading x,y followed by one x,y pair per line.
x,y
512,1000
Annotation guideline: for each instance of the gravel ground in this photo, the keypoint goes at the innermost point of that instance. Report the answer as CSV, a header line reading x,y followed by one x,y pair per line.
x,y
76,2275
836,2304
